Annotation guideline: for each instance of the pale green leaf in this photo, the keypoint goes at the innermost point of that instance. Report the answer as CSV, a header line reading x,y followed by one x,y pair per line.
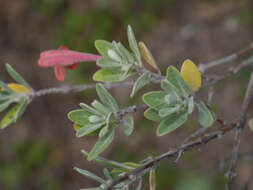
x,y
14,114
80,116
155,100
103,46
168,111
107,174
4,96
88,128
103,131
108,163
172,100
95,119
17,77
130,164
107,98
128,125
152,115
175,78
171,122
90,175
89,109
251,124
142,81
170,88
5,87
190,105
132,43
126,54
114,56
4,104
101,145
110,75
107,62
204,115
100,107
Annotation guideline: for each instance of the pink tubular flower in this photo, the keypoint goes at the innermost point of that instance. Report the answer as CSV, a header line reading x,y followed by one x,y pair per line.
x,y
63,58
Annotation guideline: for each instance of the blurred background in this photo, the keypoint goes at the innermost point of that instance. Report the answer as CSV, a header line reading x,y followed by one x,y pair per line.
x,y
40,151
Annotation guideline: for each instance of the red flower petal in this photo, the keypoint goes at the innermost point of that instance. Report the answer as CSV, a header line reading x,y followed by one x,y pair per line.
x,y
60,73
64,58
73,66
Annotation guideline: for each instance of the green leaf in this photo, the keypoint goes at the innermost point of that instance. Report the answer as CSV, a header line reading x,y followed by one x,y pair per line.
x,y
100,107
126,54
106,98
110,75
14,114
108,62
93,188
172,100
128,125
143,80
168,111
95,119
17,77
132,43
103,131
89,109
5,87
251,124
175,78
103,46
87,129
107,174
170,88
171,123
131,164
4,104
152,115
190,105
90,175
80,116
114,56
108,163
155,100
101,145
204,115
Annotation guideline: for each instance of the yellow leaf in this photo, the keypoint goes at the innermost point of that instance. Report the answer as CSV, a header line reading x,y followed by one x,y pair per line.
x,y
191,75
18,88
147,56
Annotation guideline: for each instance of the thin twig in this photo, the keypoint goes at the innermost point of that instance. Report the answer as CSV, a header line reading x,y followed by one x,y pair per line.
x,y
75,89
172,153
204,67
232,71
241,155
236,147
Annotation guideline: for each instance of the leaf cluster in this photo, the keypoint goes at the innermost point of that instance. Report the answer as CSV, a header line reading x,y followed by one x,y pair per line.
x,y
99,119
111,171
171,106
13,93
